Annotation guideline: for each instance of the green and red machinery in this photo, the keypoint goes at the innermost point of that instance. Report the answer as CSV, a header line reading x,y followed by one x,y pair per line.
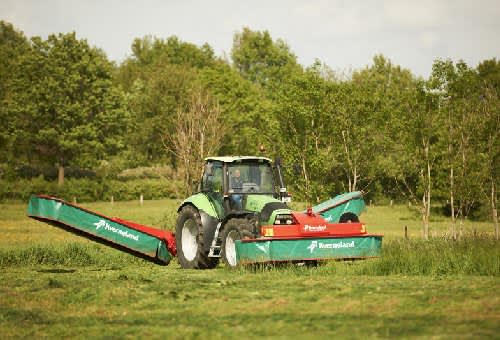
x,y
239,214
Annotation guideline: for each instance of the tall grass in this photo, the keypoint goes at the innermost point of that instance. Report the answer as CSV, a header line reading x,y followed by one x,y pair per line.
x,y
435,257
439,256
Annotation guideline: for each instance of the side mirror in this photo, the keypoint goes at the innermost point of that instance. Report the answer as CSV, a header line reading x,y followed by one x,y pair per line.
x,y
209,169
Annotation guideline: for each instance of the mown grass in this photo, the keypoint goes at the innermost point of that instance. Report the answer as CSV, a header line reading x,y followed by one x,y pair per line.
x,y
55,284
148,301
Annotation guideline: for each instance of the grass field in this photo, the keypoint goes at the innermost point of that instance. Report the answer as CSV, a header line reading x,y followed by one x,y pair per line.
x,y
55,284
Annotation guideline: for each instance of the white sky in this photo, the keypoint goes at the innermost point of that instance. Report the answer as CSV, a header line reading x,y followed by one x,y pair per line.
x,y
343,34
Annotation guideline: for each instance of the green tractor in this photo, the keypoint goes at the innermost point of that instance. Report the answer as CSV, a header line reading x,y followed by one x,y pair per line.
x,y
236,197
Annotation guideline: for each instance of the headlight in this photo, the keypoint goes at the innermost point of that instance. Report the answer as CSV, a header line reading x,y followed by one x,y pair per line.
x,y
285,219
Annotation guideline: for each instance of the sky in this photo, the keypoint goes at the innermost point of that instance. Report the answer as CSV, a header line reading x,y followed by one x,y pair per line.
x,y
345,35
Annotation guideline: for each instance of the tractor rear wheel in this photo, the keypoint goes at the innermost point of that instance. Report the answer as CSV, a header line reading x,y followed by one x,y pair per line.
x,y
189,241
235,229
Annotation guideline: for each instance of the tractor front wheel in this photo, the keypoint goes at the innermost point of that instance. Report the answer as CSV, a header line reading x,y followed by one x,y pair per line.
x,y
234,230
189,241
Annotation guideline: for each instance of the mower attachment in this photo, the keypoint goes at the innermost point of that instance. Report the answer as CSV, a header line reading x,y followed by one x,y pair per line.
x,y
309,236
305,249
149,243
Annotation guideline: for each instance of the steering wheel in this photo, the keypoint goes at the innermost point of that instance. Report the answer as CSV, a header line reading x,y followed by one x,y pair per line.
x,y
250,187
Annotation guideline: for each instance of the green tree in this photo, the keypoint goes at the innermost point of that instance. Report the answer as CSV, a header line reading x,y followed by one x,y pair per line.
x,y
153,53
159,78
13,45
261,60
149,49
66,109
366,117
302,112
159,90
246,112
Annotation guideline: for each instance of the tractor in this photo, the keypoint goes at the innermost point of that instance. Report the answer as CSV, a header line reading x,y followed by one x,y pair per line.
x,y
236,198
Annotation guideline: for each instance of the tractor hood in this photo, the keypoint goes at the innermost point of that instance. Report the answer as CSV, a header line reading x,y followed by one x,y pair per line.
x,y
257,202
267,206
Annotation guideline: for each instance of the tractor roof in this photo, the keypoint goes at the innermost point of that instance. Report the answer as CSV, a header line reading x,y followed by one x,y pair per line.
x,y
232,159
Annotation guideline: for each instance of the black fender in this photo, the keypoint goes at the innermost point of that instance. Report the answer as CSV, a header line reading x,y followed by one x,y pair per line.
x,y
209,224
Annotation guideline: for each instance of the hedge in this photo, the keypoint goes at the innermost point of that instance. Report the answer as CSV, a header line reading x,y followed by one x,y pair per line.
x,y
87,190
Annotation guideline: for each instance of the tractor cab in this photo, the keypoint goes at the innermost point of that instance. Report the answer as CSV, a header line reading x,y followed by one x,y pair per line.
x,y
238,183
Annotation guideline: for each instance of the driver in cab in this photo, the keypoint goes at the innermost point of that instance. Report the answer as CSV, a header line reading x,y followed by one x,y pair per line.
x,y
236,182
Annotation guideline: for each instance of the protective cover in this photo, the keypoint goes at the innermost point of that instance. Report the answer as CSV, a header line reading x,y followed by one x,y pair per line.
x,y
146,242
332,209
268,250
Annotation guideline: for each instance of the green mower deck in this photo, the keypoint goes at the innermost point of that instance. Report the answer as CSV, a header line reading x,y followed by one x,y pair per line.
x,y
305,249
149,243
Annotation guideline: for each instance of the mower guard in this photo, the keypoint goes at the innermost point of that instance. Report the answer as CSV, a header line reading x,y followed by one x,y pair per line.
x,y
310,248
331,210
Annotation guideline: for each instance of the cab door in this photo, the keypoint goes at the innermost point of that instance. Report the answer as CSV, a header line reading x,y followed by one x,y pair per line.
x,y
212,185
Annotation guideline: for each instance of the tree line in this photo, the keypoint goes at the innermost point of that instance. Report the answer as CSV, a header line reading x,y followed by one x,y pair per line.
x,y
380,129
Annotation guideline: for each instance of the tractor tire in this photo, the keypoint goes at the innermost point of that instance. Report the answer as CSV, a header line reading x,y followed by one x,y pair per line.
x,y
235,229
349,218
189,241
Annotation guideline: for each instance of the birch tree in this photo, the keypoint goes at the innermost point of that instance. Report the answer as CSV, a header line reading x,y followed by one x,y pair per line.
x,y
420,155
198,133
489,74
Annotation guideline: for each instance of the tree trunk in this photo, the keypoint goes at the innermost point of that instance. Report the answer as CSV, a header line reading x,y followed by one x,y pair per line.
x,y
461,227
355,178
60,175
426,197
350,170
463,196
306,178
452,177
452,204
494,211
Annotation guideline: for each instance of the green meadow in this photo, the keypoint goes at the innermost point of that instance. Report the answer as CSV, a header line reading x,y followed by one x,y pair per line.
x,y
55,284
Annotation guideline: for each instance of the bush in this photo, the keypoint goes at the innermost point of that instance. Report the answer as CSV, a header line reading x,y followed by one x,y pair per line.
x,y
87,190
146,172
